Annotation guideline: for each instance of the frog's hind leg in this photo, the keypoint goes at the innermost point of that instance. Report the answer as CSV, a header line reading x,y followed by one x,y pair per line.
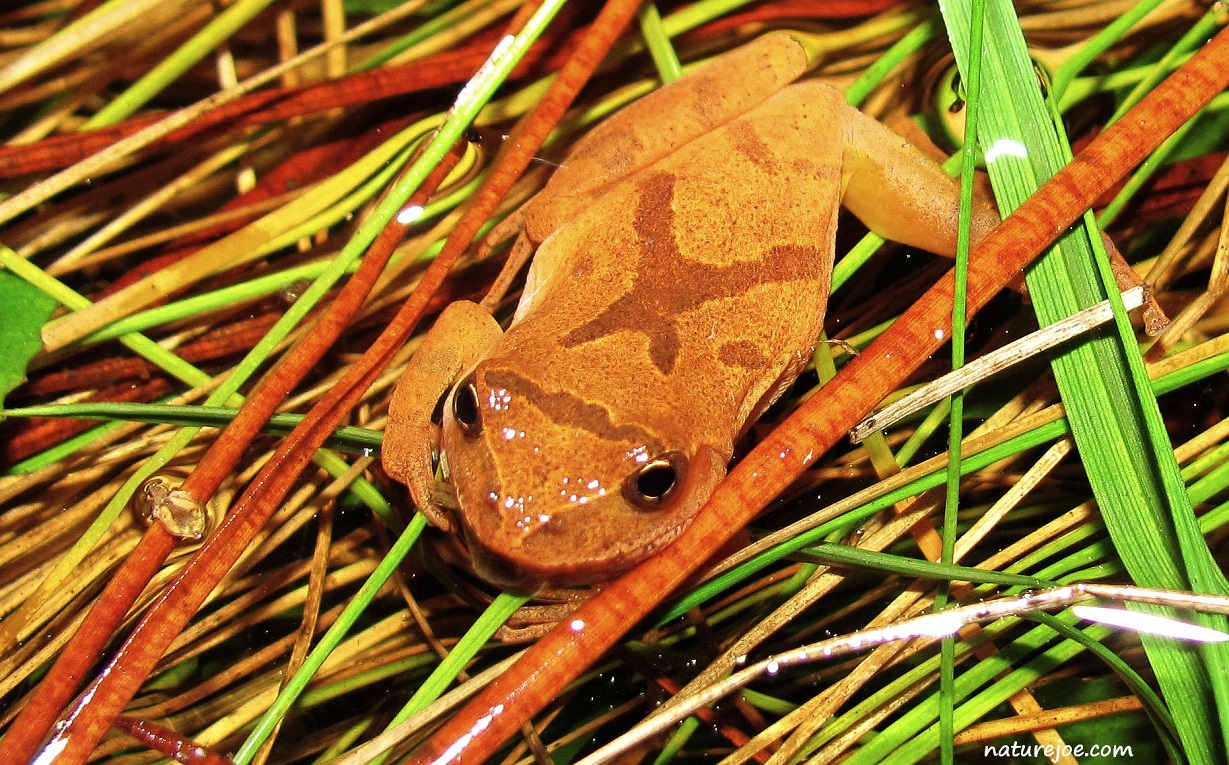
x,y
900,193
663,121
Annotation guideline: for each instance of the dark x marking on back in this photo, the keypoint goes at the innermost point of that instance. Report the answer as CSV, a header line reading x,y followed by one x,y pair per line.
x,y
667,284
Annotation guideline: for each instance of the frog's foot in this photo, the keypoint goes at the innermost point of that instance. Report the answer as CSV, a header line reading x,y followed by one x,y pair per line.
x,y
528,623
1153,316
448,560
1155,320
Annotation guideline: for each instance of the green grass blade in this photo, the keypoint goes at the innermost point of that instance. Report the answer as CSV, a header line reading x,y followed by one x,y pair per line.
x,y
193,51
1115,421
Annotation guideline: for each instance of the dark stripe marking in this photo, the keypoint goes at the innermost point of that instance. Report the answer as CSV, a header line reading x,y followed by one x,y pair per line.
x,y
667,284
567,409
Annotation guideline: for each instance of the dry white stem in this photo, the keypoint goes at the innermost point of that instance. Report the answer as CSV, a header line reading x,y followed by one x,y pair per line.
x,y
996,361
931,626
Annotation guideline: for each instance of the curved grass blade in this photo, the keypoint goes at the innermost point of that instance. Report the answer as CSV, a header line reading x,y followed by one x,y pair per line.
x,y
1114,418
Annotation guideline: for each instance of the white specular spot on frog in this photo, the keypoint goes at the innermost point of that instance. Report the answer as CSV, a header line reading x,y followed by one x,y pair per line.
x,y
529,522
639,455
517,505
580,490
499,399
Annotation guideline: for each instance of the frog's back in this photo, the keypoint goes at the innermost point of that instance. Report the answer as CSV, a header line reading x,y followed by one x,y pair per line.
x,y
704,274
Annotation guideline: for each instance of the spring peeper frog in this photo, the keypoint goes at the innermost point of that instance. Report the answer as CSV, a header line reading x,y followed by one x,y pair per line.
x,y
681,264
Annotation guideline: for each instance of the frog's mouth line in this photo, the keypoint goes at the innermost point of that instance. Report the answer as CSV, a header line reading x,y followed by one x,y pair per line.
x,y
498,570
503,572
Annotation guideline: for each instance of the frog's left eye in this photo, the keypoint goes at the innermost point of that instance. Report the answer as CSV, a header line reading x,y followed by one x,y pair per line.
x,y
465,408
654,481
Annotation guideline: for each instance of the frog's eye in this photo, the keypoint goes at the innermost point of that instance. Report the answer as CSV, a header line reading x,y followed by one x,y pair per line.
x,y
465,409
653,482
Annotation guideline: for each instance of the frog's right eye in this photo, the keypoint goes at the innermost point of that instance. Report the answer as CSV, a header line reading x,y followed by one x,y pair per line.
x,y
465,409
654,482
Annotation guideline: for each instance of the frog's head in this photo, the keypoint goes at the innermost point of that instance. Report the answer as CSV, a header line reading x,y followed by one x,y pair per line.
x,y
559,489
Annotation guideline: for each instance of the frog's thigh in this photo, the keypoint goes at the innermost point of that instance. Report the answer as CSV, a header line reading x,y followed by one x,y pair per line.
x,y
550,268
463,335
663,121
901,194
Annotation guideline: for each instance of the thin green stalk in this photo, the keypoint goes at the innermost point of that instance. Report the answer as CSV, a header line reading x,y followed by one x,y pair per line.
x,y
913,41
189,416
1190,41
331,639
653,32
951,496
202,44
1098,44
433,29
1114,418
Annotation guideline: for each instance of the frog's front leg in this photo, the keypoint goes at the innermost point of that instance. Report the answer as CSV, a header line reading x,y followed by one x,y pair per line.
x,y
464,334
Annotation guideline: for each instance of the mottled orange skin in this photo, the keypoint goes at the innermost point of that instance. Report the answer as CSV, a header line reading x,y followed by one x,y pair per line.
x,y
682,261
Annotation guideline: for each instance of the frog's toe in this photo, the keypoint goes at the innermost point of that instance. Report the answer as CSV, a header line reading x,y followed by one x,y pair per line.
x,y
433,498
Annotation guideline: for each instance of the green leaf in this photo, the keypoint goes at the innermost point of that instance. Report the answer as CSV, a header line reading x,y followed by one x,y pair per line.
x,y
23,311
1114,417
